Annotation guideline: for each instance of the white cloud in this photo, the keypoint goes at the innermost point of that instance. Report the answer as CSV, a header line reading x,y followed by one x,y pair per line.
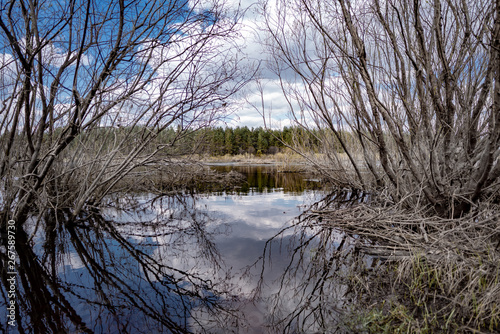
x,y
274,112
53,55
7,67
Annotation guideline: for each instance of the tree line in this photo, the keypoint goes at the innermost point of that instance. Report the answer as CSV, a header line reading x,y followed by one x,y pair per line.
x,y
213,141
216,141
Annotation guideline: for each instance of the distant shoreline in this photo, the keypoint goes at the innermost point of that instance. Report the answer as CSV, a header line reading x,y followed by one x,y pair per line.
x,y
283,162
264,159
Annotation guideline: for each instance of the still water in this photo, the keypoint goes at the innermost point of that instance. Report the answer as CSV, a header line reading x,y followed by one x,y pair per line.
x,y
210,262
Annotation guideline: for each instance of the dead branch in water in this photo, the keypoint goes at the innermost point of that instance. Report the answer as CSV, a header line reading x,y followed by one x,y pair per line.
x,y
444,270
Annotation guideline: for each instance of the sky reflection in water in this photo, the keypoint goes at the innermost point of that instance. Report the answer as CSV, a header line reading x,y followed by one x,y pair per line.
x,y
160,264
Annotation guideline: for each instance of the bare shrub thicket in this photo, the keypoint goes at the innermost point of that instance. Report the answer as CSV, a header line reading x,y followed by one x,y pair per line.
x,y
405,98
425,274
408,92
88,87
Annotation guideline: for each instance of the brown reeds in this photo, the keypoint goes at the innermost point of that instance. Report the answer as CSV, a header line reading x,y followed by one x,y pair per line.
x,y
419,274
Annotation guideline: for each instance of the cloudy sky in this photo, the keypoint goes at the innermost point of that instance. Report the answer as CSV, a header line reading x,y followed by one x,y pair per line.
x,y
263,103
260,104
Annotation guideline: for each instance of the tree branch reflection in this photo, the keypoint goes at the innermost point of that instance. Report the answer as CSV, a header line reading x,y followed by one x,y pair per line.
x,y
140,265
312,288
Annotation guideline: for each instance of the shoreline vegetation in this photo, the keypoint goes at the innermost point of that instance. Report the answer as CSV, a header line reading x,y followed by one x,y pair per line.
x,y
408,272
284,162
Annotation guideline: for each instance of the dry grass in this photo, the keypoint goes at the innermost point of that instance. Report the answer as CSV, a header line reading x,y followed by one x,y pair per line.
x,y
246,157
428,274
286,161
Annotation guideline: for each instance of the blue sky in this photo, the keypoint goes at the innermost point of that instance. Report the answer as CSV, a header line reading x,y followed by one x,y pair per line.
x,y
258,104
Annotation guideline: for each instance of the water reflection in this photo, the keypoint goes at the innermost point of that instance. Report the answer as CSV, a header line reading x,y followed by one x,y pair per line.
x,y
263,178
159,264
97,275
316,290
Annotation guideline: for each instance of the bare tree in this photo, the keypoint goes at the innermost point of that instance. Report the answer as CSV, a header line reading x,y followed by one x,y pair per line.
x,y
409,90
88,87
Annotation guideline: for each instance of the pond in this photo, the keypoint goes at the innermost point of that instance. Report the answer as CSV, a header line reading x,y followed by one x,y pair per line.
x,y
209,262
